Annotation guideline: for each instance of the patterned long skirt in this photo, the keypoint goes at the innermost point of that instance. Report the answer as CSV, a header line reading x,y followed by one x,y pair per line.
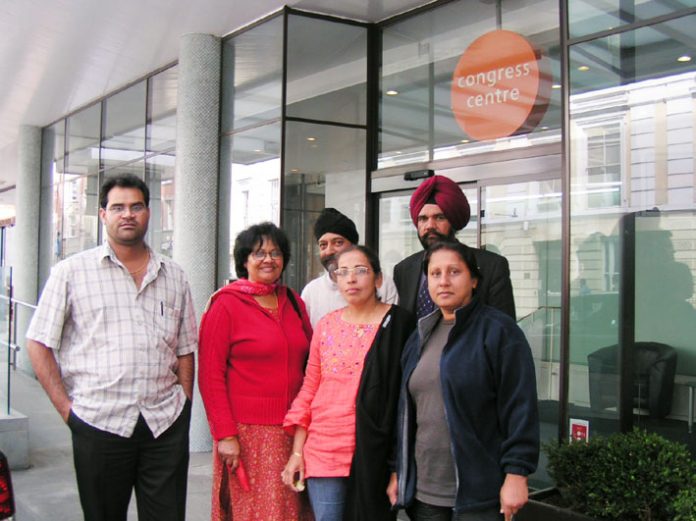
x,y
265,450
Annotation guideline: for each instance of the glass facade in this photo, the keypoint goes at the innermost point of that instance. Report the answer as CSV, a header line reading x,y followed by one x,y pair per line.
x,y
132,131
294,133
419,57
632,203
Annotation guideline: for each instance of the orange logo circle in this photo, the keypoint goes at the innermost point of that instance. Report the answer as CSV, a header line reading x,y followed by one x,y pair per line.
x,y
499,87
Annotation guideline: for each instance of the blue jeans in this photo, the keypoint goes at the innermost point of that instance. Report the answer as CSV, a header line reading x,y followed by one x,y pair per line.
x,y
327,495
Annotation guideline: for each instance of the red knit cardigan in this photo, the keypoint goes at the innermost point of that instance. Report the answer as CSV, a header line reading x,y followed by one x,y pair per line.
x,y
250,365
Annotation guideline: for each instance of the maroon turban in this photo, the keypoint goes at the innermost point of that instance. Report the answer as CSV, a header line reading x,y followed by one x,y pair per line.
x,y
445,193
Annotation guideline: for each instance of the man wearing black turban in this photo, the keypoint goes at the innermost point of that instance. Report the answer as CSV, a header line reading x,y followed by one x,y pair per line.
x,y
335,233
438,209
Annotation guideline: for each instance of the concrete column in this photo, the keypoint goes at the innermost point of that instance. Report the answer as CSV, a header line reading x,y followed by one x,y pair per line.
x,y
196,181
26,270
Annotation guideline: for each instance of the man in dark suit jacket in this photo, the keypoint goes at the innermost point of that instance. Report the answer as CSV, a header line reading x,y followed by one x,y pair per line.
x,y
438,209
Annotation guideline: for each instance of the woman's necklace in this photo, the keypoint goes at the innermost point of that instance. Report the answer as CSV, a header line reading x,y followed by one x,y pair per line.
x,y
141,268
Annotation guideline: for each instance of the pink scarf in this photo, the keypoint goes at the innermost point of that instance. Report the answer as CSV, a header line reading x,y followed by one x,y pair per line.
x,y
253,288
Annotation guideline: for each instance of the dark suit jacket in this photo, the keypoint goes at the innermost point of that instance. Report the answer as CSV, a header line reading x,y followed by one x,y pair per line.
x,y
494,289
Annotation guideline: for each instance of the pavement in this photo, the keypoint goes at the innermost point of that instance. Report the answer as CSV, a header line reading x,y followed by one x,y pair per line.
x,y
47,490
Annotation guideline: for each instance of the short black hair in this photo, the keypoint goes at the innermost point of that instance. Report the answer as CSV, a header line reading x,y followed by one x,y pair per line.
x,y
250,240
465,253
122,181
369,254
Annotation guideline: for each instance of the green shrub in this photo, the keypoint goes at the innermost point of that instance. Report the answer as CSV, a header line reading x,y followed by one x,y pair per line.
x,y
685,504
634,476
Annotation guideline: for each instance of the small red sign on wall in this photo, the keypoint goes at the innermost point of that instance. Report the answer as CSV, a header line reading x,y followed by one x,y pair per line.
x,y
500,86
579,430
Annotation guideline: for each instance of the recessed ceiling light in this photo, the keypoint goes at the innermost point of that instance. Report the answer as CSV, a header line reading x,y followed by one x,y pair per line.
x,y
544,128
684,58
257,150
294,170
464,141
392,92
311,138
556,86
583,68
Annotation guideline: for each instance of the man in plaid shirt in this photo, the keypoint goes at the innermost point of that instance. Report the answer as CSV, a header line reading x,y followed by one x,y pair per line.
x,y
112,342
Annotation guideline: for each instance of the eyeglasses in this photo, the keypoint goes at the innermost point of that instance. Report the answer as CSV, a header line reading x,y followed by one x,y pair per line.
x,y
119,209
359,271
261,254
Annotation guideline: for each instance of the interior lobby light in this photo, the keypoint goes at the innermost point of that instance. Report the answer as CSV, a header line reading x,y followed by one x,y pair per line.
x,y
392,92
556,86
583,68
465,141
311,138
684,58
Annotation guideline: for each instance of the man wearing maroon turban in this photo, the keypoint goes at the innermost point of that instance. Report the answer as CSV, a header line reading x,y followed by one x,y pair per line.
x,y
439,209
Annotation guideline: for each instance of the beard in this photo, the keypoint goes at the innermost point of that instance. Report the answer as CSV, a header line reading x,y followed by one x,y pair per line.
x,y
329,262
431,237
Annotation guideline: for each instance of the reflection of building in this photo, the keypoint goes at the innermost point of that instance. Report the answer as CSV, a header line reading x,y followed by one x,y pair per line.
x,y
331,112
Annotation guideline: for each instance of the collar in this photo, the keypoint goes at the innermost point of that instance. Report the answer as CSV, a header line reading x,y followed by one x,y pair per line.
x,y
107,252
461,315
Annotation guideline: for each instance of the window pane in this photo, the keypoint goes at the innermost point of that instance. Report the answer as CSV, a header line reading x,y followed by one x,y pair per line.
x,y
162,109
160,180
420,55
327,70
81,182
252,161
124,127
592,16
54,143
633,212
252,68
324,167
650,52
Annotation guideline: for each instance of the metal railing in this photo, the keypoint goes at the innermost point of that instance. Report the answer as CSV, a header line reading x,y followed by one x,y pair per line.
x,y
8,333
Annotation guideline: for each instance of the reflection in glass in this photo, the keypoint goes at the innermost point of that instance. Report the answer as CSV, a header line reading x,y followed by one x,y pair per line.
x,y
124,127
523,223
324,167
252,94
81,182
159,176
327,70
161,132
251,161
53,139
647,53
591,16
416,120
632,220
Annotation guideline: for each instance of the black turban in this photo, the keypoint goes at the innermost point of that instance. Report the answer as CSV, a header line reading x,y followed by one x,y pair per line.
x,y
331,220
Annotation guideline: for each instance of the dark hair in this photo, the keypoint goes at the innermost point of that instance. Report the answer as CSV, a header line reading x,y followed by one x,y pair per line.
x,y
370,255
122,181
465,253
250,240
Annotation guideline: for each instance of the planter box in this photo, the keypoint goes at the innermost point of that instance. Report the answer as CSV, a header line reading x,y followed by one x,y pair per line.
x,y
539,510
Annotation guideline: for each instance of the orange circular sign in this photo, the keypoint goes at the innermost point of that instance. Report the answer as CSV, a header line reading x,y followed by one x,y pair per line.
x,y
499,87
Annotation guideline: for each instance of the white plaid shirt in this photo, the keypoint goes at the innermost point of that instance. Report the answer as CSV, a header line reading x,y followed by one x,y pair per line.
x,y
117,346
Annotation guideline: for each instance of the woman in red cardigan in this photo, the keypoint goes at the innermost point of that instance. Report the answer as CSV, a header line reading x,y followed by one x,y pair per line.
x,y
254,341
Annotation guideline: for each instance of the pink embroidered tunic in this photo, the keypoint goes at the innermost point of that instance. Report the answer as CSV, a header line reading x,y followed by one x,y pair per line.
x,y
325,405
